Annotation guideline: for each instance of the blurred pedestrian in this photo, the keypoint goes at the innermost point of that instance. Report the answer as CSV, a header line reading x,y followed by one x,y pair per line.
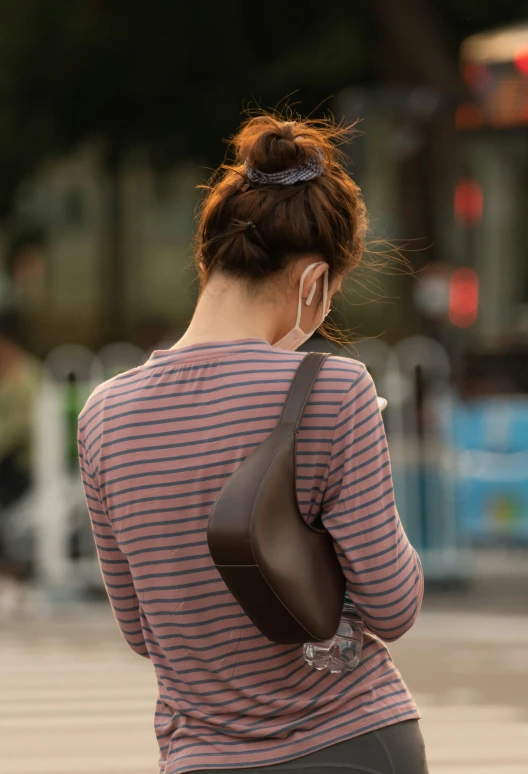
x,y
19,384
279,230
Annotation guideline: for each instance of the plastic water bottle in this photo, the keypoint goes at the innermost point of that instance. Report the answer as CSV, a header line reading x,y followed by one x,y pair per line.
x,y
343,651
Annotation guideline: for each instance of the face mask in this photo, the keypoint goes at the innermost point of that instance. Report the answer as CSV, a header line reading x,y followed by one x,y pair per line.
x,y
294,338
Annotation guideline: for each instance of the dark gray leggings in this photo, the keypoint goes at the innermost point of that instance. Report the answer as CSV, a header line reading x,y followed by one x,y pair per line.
x,y
397,749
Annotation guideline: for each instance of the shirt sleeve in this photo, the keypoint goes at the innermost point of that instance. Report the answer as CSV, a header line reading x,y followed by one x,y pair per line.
x,y
114,565
383,572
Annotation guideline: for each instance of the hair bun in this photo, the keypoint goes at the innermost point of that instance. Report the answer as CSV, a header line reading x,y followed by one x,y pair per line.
x,y
255,220
272,146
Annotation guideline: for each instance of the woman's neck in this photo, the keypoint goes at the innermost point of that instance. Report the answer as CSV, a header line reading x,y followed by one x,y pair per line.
x,y
226,312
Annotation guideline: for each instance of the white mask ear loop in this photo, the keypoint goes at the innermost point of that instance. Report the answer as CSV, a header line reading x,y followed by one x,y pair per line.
x,y
325,296
311,294
301,285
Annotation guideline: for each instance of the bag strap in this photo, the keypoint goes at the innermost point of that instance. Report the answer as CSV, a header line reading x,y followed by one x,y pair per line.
x,y
301,387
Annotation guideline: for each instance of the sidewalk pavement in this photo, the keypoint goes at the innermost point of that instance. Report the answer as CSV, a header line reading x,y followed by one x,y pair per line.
x,y
76,700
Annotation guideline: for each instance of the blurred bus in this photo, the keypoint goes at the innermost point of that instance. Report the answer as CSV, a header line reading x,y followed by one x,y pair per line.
x,y
491,193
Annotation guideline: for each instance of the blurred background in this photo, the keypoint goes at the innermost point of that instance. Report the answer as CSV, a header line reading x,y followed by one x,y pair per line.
x,y
110,115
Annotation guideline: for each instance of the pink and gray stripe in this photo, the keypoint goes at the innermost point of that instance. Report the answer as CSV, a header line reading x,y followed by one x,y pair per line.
x,y
156,446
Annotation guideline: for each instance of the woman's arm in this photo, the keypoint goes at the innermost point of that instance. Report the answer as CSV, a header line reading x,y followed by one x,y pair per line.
x,y
383,572
114,565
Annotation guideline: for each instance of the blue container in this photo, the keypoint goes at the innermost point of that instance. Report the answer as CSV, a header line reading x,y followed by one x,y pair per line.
x,y
490,444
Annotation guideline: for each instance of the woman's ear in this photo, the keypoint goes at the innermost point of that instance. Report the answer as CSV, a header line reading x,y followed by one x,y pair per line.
x,y
310,282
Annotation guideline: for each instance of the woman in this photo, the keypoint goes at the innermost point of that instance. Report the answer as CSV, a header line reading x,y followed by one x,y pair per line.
x,y
277,234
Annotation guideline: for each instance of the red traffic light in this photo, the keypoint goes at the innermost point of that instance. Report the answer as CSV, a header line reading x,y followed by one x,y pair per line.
x,y
521,61
469,202
463,297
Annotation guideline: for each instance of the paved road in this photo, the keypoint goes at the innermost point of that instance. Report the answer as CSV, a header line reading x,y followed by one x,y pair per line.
x,y
74,700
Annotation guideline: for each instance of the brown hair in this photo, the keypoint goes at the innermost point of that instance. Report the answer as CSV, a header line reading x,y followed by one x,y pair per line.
x,y
252,230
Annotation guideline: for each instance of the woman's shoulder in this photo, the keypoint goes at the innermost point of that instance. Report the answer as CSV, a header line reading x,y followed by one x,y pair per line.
x,y
340,377
343,368
113,391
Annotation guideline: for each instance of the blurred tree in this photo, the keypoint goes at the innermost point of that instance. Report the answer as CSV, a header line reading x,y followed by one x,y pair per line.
x,y
173,77
170,77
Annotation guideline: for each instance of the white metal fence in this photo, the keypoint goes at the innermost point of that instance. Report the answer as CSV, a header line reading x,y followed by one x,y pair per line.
x,y
53,516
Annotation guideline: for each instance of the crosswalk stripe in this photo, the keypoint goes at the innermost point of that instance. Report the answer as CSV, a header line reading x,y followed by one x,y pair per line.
x,y
90,692
82,707
492,768
124,764
80,721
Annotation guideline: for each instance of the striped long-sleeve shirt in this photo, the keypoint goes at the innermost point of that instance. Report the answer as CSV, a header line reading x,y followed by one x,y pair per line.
x,y
156,446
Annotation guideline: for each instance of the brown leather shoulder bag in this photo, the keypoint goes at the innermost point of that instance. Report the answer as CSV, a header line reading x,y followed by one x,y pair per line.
x,y
284,573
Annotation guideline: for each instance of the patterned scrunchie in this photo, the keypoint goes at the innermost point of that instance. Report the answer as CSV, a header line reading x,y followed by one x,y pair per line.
x,y
307,170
